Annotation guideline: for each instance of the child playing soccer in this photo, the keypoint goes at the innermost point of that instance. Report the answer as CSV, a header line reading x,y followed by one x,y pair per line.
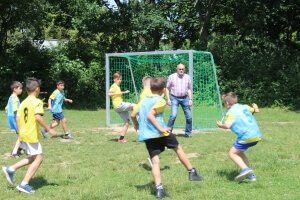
x,y
239,118
146,87
29,116
120,107
11,110
55,103
154,132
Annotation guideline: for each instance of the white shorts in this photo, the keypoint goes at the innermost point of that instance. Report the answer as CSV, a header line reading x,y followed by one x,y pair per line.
x,y
33,148
123,109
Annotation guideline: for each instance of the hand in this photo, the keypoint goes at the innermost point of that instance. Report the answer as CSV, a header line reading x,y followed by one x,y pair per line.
x,y
70,100
166,130
169,102
191,102
136,128
254,105
126,92
49,108
219,124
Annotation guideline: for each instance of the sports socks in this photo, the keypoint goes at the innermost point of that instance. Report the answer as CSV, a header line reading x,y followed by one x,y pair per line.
x,y
121,137
159,186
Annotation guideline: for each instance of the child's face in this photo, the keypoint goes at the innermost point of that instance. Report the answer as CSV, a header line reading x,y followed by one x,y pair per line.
x,y
61,86
18,90
118,80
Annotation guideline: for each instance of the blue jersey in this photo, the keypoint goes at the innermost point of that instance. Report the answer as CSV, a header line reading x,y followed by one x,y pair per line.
x,y
57,101
146,129
245,125
12,107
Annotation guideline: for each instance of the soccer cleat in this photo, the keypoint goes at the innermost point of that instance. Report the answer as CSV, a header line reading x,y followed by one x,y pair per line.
x,y
20,151
161,193
122,141
26,188
44,133
68,136
193,176
252,177
244,174
9,175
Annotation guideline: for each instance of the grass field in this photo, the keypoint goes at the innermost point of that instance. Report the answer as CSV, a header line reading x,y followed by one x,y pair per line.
x,y
95,166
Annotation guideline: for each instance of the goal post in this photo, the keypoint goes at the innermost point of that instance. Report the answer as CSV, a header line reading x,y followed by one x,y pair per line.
x,y
207,104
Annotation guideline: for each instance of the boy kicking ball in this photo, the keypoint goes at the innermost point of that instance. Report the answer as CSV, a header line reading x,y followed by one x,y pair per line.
x,y
239,118
156,135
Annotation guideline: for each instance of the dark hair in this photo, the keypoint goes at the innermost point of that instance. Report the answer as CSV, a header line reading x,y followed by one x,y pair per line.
x,y
117,75
32,83
60,82
157,84
15,84
230,97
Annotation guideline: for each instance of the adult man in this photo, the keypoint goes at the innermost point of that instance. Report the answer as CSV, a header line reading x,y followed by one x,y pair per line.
x,y
179,86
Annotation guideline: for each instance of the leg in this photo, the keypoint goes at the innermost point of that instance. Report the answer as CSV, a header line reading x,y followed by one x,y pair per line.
x,y
55,123
156,170
238,157
182,157
37,161
188,116
64,125
125,128
174,109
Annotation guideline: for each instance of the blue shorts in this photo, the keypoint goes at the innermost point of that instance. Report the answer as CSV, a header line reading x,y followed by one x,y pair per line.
x,y
243,146
12,124
59,116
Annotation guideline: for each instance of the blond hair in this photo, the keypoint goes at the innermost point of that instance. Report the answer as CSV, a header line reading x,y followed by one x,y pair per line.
x,y
230,97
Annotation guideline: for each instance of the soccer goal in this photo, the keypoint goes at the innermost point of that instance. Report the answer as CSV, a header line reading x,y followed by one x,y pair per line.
x,y
207,105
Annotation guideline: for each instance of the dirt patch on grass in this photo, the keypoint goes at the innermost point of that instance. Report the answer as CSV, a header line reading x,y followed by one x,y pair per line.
x,y
6,155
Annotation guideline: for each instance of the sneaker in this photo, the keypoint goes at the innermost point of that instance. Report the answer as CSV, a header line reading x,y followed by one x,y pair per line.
x,y
14,155
252,177
9,175
68,136
187,136
244,174
193,176
44,133
26,188
161,193
122,141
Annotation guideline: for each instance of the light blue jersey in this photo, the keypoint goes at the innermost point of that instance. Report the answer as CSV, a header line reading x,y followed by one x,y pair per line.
x,y
57,101
245,125
13,105
146,129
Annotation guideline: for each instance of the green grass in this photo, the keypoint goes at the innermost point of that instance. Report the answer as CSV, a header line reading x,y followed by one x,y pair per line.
x,y
95,166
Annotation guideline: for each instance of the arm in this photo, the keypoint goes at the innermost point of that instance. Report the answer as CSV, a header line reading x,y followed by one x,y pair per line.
x,y
49,104
134,120
190,97
41,121
117,93
151,117
256,109
168,97
68,100
224,126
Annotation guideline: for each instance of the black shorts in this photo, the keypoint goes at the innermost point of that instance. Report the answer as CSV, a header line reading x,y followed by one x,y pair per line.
x,y
157,145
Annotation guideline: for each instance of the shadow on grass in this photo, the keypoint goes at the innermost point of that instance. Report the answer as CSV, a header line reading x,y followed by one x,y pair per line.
x,y
228,174
149,168
38,182
149,186
113,140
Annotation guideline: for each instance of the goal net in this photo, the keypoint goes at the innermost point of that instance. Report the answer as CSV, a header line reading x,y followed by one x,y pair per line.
x,y
207,105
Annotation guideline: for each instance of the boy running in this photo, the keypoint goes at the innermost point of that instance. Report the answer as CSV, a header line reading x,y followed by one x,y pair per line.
x,y
29,116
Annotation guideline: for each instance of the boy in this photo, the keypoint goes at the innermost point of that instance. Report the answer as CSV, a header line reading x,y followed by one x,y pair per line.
x,y
120,107
239,118
29,116
154,132
146,87
55,103
11,110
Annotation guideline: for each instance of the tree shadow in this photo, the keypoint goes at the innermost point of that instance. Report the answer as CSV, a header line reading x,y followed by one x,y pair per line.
x,y
38,182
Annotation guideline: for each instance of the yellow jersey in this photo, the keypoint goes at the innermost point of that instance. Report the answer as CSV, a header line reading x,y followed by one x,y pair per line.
x,y
29,127
116,99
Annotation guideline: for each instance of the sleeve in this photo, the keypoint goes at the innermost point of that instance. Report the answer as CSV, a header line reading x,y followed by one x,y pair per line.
x,y
251,109
159,107
229,119
53,95
16,104
113,89
169,82
39,108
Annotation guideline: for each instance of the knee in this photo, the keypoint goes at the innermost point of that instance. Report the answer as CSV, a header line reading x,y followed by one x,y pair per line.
x,y
64,120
